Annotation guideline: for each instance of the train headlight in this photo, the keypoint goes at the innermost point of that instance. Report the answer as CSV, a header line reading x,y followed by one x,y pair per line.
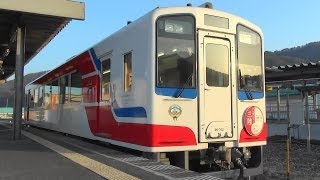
x,y
175,111
253,120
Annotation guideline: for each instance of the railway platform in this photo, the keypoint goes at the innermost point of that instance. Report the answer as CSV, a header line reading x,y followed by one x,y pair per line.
x,y
42,154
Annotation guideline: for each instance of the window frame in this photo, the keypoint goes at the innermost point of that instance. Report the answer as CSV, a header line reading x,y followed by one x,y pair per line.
x,y
107,58
70,82
256,94
228,66
67,92
195,78
127,85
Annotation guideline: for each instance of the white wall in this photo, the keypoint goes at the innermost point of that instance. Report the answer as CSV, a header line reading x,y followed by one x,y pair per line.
x,y
300,132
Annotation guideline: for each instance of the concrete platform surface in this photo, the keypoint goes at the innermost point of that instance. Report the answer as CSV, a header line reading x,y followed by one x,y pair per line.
x,y
49,155
27,159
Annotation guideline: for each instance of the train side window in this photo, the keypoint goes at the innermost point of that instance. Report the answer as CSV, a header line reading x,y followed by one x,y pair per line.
x,y
76,87
127,71
36,97
54,94
47,95
29,100
40,96
68,89
64,90
106,72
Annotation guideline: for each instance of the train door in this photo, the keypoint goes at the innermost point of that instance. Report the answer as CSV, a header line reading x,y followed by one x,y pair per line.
x,y
215,89
104,127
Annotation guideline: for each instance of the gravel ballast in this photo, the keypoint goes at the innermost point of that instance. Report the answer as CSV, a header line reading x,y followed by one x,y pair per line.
x,y
303,164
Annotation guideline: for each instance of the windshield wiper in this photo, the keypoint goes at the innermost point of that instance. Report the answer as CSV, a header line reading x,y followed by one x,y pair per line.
x,y
248,93
178,94
243,85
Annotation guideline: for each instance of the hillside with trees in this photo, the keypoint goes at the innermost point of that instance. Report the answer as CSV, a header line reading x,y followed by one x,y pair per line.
x,y
300,54
7,89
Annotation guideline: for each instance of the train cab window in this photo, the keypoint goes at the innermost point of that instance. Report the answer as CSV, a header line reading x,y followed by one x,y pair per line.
x,y
127,72
250,60
176,51
105,91
76,87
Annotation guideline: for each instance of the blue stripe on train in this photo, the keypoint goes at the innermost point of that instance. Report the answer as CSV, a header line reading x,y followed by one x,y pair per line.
x,y
255,95
96,61
130,112
186,93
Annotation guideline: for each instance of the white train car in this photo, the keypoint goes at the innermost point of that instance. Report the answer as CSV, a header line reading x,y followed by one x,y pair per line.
x,y
187,82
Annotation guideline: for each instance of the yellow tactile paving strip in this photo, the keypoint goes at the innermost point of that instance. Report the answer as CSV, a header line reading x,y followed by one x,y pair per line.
x,y
93,165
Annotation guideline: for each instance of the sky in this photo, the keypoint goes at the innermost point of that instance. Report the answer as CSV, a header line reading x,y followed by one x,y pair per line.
x,y
285,24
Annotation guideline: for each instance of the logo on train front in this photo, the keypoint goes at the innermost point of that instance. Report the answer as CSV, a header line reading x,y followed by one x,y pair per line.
x,y
175,111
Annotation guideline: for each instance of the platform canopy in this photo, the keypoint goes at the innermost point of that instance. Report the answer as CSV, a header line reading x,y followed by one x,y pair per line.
x,y
304,76
43,20
295,72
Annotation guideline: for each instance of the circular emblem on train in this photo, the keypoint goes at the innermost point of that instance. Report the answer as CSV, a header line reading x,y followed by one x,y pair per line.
x,y
253,120
175,111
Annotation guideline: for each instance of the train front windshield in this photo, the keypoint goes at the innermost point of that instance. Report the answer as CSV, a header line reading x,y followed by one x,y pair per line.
x,y
250,62
176,52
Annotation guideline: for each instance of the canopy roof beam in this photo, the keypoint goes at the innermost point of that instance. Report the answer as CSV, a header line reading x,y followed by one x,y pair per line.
x,y
58,8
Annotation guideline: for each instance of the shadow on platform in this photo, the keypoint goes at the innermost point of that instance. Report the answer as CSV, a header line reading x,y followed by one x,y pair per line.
x,y
26,159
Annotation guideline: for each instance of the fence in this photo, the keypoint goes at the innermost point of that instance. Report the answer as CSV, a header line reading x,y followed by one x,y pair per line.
x,y
276,127
6,112
272,112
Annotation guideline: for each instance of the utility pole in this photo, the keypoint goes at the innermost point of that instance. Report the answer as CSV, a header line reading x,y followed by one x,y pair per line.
x,y
278,103
308,121
288,138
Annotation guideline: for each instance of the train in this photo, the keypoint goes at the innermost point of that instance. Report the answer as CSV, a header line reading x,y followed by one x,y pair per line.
x,y
183,85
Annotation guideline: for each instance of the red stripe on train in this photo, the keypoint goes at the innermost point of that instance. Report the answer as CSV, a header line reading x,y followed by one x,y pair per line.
x,y
246,137
103,124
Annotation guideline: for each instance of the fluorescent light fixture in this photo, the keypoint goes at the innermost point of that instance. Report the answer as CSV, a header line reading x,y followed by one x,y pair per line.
x,y
106,72
160,54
